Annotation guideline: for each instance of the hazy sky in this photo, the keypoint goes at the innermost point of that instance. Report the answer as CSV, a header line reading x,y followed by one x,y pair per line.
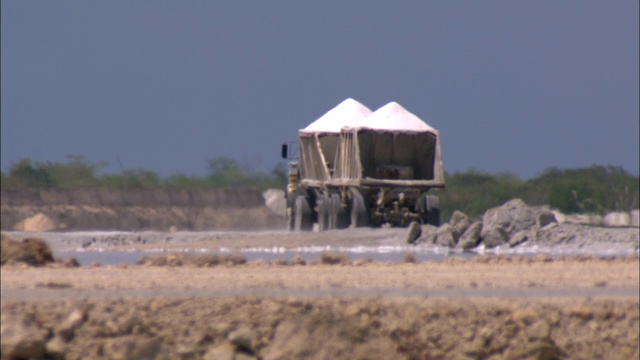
x,y
513,86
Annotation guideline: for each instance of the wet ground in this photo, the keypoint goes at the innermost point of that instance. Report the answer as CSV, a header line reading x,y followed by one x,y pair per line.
x,y
387,244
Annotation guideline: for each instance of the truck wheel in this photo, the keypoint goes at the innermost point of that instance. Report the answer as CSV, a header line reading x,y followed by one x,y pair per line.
x,y
359,211
302,215
324,212
290,218
430,209
339,215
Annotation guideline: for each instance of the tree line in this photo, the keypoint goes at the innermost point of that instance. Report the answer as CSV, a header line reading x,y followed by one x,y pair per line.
x,y
593,189
77,172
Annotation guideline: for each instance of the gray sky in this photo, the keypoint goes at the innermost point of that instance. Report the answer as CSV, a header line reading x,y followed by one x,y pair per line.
x,y
513,86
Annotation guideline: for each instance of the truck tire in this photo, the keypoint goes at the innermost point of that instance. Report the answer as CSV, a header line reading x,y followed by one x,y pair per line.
x,y
324,206
359,211
302,214
291,218
339,215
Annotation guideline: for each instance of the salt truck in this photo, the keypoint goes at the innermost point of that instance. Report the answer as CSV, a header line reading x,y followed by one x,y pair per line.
x,y
356,168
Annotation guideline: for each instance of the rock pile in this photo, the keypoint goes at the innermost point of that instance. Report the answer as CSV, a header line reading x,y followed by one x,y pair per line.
x,y
516,223
513,223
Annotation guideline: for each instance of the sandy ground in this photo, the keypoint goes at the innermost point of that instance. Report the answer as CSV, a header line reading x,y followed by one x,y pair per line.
x,y
487,307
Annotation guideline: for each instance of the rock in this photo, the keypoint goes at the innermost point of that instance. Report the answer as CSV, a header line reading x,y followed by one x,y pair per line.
x,y
494,236
21,338
224,351
242,338
500,223
69,262
459,223
471,237
560,217
331,258
520,238
56,348
545,218
617,219
427,236
414,232
298,260
67,329
444,236
132,347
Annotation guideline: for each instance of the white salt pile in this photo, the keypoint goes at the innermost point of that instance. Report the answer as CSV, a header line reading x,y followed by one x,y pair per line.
x,y
348,113
394,117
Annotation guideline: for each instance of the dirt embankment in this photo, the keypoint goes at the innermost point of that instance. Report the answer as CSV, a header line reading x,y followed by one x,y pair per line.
x,y
366,311
348,328
213,307
136,209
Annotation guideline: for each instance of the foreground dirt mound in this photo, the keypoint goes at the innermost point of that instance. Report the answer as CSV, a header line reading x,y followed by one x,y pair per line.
x,y
346,328
31,251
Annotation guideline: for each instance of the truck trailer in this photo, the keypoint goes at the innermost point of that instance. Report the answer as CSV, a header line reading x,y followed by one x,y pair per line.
x,y
356,168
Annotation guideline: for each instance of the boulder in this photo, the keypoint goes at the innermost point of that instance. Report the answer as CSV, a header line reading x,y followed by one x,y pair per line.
x,y
242,338
471,237
427,234
494,236
444,236
500,223
414,232
459,223
520,238
545,218
66,330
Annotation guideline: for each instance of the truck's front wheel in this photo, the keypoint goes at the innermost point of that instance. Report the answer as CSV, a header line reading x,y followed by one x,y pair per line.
x,y
302,215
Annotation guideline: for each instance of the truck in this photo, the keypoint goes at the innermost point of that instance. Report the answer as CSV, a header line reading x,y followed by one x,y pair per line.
x,y
356,168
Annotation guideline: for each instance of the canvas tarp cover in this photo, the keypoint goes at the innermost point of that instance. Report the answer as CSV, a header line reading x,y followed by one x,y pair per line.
x,y
365,153
319,140
394,145
312,162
